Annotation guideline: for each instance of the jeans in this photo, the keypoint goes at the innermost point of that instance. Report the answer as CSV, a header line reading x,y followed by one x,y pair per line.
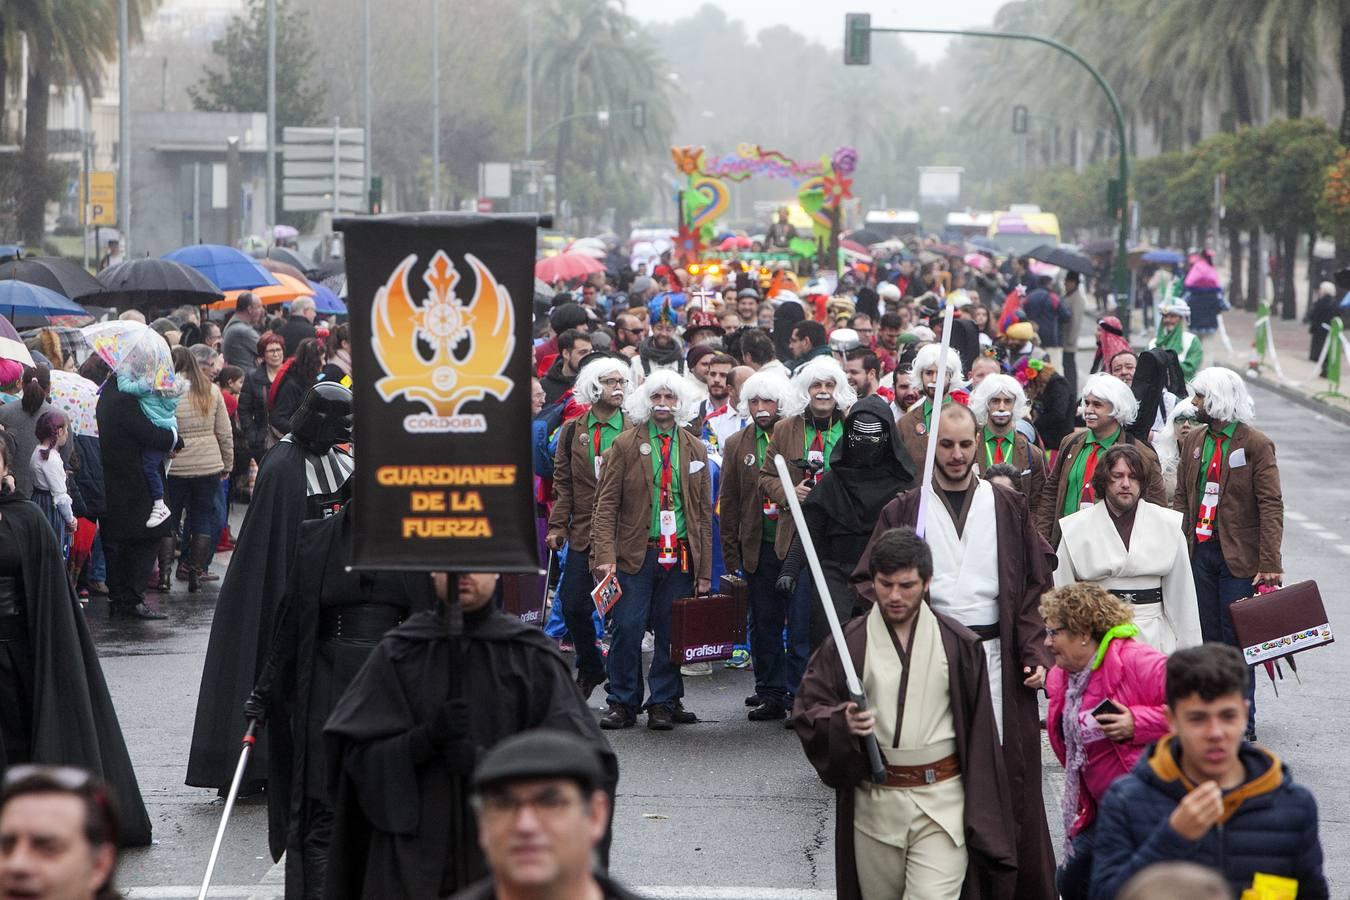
x,y
98,562
200,496
1074,875
768,613
1216,589
799,631
129,564
152,464
578,611
648,597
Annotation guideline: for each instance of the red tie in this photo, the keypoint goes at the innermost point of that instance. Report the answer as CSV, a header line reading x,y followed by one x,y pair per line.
x,y
1088,495
665,472
998,450
1209,505
595,441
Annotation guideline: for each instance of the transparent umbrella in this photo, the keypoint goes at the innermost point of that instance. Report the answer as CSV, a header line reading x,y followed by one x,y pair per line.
x,y
134,350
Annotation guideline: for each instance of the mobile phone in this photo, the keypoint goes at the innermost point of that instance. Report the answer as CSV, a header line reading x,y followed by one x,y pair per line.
x,y
1106,707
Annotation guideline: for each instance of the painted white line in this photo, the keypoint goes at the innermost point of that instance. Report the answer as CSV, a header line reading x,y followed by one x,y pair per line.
x,y
651,892
1344,548
1311,526
1294,517
177,891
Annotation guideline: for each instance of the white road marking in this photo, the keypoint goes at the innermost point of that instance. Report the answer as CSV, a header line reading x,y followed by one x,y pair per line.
x,y
1344,548
652,892
1294,517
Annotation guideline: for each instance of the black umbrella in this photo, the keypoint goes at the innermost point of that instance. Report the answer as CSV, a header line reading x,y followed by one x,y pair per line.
x,y
866,236
1065,259
1098,246
328,268
291,258
155,283
53,273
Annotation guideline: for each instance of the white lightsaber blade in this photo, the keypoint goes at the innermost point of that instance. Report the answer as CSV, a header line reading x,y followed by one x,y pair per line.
x,y
939,394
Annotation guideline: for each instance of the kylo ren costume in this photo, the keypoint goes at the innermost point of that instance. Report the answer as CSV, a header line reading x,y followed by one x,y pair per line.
x,y
870,466
305,476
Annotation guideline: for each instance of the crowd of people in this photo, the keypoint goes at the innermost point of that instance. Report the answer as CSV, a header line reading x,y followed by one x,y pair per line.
x,y
989,527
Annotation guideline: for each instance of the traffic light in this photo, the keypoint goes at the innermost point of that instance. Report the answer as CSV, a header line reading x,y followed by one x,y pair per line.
x,y
376,195
1019,120
639,116
857,39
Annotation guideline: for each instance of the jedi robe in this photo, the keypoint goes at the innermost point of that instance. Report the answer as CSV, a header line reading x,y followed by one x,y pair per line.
x,y
392,834
241,630
841,760
1091,549
1025,570
73,722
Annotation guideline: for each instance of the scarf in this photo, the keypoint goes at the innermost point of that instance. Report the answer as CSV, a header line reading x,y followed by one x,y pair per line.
x,y
343,360
276,383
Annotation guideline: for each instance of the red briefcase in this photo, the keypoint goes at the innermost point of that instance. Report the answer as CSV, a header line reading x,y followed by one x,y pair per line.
x,y
523,597
709,628
1280,623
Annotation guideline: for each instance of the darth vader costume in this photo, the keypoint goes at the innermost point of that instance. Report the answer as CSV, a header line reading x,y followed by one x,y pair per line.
x,y
870,466
305,476
1158,382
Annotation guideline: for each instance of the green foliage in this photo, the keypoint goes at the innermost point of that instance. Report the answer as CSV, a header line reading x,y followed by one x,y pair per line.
x,y
241,86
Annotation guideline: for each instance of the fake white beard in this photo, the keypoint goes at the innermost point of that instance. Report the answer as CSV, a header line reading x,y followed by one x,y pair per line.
x,y
763,417
1000,418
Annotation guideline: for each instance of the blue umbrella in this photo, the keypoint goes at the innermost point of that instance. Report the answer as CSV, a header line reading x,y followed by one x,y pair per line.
x,y
20,298
1163,257
325,301
227,268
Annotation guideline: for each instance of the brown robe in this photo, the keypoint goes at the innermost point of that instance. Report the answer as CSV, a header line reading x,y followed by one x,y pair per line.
x,y
841,761
1026,570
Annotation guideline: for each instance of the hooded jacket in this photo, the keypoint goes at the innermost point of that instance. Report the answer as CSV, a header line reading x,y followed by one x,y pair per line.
x,y
1269,825
555,383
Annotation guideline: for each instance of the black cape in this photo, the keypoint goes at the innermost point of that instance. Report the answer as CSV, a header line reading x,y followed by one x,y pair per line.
x,y
310,679
242,628
74,722
1158,370
391,836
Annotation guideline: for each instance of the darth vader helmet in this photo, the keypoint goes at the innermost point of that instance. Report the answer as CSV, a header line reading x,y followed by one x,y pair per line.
x,y
324,418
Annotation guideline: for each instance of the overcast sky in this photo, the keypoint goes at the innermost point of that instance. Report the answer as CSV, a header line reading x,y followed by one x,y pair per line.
x,y
823,20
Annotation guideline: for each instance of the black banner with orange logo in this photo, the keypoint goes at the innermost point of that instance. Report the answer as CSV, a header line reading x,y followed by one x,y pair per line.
x,y
440,310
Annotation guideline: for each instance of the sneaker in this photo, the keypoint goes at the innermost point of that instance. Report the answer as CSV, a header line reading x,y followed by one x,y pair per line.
x,y
698,668
588,684
159,512
740,659
566,647
648,642
617,717
681,716
768,711
659,718
754,700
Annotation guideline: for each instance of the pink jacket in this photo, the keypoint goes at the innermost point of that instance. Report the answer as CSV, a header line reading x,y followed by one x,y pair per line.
x,y
1133,675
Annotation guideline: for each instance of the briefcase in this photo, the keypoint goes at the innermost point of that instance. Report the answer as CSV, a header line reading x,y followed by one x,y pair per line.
x,y
1280,623
708,628
523,597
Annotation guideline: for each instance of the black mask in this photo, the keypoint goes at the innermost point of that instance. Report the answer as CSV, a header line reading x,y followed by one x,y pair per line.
x,y
869,441
324,418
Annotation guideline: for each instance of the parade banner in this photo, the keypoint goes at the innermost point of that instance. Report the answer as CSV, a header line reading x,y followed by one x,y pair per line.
x,y
441,362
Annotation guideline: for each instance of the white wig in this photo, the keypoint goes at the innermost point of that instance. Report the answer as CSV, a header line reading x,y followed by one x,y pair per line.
x,y
1226,397
998,385
822,368
1110,389
1166,444
638,406
587,386
927,358
766,384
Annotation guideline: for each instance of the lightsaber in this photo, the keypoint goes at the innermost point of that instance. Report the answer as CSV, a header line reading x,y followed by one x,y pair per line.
x,y
939,395
855,688
249,740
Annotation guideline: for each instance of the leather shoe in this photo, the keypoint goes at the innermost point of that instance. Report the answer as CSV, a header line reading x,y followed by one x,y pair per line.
x,y
98,589
617,717
754,700
659,718
681,716
768,711
588,684
141,611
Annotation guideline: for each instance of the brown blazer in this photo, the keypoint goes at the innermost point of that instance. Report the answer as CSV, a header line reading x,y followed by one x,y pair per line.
x,y
1251,507
789,441
1052,493
621,522
574,484
742,502
1026,459
914,435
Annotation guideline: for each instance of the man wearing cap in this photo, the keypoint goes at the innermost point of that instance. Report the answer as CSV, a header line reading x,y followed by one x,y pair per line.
x,y
747,304
1173,335
409,731
541,813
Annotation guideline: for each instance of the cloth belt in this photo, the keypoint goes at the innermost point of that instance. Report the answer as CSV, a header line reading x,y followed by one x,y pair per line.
x,y
655,543
918,776
1142,597
365,622
13,628
985,632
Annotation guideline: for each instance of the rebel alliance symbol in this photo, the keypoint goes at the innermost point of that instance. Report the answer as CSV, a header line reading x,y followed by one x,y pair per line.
x,y
443,383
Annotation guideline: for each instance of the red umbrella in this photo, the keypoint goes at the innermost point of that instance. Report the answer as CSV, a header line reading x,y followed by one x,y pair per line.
x,y
567,266
855,247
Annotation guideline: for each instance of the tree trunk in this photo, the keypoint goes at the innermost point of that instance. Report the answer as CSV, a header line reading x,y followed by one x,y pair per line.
x,y
1343,65
1288,296
33,191
1314,274
1256,270
1293,77
1242,95
4,68
1235,293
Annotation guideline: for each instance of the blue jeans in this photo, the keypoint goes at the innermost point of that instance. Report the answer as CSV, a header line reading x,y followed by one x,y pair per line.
x,y
199,496
1216,589
768,613
1073,876
799,631
98,563
578,612
152,465
648,597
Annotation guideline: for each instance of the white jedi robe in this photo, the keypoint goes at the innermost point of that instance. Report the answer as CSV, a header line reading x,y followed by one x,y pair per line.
x,y
1090,549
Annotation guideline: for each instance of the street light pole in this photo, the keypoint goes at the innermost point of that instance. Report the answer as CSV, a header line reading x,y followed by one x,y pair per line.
x,y
365,94
529,84
124,125
1121,276
436,104
271,205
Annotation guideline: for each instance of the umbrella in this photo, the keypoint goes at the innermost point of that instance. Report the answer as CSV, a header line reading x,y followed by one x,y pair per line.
x,y
978,261
855,247
148,282
866,236
134,350
11,347
77,397
20,298
1098,246
284,233
286,289
594,251
325,301
542,289
328,268
1065,259
290,257
227,268
53,273
567,266
73,344
277,267
1163,258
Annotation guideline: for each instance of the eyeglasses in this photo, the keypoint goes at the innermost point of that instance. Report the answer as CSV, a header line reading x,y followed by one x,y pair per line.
x,y
613,382
1053,632
547,804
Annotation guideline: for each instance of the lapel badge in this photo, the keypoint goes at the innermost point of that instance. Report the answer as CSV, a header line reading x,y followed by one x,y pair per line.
x,y
1195,454
645,449
749,459
920,429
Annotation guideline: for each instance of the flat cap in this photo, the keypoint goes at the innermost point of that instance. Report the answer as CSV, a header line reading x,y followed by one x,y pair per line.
x,y
540,753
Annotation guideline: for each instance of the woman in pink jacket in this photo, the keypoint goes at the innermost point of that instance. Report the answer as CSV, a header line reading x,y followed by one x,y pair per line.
x,y
1107,698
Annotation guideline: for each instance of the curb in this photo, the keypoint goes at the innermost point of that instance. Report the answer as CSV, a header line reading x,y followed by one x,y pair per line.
x,y
1294,395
